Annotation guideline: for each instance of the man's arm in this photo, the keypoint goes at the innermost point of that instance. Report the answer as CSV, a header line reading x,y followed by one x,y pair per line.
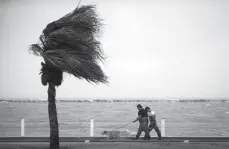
x,y
140,114
137,119
153,114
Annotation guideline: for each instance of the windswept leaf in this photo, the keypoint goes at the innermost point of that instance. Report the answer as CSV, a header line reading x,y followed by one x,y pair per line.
x,y
35,49
70,45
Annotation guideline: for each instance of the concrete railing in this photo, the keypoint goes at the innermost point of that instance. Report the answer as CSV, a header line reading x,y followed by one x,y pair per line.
x,y
163,127
22,127
92,127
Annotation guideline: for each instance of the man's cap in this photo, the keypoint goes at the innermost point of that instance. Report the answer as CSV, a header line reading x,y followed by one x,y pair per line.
x,y
139,106
146,108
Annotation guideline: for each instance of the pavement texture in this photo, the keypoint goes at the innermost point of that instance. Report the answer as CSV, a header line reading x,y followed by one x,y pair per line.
x,y
117,145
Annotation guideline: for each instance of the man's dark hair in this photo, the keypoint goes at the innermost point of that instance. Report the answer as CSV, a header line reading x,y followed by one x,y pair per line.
x,y
147,108
139,106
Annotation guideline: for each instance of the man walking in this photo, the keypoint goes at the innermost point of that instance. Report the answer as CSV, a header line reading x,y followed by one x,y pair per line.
x,y
143,123
153,123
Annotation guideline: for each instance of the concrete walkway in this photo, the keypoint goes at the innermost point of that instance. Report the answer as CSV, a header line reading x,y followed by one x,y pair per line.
x,y
116,145
124,143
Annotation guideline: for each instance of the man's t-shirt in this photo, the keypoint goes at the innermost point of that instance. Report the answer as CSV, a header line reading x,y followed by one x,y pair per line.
x,y
143,115
152,116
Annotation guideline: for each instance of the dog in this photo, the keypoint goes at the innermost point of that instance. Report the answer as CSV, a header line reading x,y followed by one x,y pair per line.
x,y
112,134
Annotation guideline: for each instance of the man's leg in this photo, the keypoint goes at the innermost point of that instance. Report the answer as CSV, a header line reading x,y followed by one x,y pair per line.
x,y
146,130
139,131
158,132
145,137
151,126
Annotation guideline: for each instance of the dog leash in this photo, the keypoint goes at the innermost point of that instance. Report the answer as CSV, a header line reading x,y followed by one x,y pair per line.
x,y
102,114
122,126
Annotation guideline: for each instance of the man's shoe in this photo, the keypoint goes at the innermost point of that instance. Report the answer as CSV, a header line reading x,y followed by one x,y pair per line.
x,y
159,138
147,138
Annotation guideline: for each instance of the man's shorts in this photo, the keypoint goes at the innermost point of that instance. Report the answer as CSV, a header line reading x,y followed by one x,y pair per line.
x,y
152,125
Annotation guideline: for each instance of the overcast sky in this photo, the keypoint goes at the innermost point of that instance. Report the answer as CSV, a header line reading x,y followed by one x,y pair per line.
x,y
155,48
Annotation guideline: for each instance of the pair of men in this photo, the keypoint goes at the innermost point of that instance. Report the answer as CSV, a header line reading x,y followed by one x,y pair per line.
x,y
143,115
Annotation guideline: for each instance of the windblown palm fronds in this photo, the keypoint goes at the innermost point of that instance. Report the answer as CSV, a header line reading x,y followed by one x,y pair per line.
x,y
70,45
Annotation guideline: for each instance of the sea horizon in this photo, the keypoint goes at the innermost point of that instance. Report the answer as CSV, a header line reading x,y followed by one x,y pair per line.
x,y
117,99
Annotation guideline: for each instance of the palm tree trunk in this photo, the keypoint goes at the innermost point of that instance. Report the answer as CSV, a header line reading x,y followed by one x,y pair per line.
x,y
53,121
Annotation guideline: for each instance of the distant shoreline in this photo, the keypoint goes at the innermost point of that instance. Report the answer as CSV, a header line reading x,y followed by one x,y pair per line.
x,y
117,100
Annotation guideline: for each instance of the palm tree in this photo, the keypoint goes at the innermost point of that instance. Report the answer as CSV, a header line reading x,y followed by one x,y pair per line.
x,y
69,45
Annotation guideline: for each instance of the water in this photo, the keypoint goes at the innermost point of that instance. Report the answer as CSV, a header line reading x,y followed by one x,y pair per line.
x,y
181,118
